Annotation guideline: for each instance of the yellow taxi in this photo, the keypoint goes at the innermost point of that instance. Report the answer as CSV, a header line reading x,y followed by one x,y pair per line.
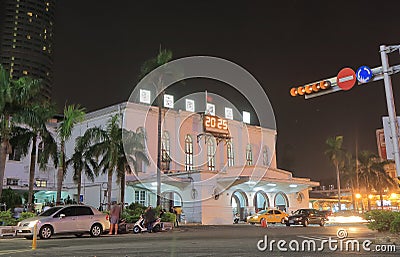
x,y
271,216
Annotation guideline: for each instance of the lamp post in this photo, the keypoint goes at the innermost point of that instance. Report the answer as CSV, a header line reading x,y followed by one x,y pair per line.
x,y
160,97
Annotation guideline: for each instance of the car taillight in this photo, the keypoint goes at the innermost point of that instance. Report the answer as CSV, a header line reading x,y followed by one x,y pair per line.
x,y
107,217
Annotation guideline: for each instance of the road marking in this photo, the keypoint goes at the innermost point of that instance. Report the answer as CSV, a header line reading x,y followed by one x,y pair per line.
x,y
4,252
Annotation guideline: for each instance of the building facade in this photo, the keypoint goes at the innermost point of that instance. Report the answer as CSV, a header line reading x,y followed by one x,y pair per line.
x,y
27,39
210,177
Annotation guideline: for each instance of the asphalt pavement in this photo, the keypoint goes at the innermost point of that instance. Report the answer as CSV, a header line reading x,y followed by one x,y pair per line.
x,y
197,240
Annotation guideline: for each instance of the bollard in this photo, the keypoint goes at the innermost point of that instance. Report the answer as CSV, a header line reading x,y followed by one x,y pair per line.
x,y
34,237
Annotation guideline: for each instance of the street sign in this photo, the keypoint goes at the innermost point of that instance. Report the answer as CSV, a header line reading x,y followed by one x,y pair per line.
x,y
364,74
346,78
389,137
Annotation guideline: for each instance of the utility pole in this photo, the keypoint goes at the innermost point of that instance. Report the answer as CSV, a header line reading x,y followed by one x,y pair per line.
x,y
385,50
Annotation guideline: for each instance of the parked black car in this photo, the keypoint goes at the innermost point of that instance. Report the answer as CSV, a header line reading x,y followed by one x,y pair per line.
x,y
305,217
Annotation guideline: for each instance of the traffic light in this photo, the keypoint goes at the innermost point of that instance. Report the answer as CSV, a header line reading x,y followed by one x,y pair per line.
x,y
311,88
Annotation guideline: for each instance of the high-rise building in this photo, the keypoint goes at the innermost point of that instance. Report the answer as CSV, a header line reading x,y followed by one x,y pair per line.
x,y
27,39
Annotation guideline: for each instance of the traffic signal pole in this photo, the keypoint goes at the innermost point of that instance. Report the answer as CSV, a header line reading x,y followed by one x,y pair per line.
x,y
384,72
384,50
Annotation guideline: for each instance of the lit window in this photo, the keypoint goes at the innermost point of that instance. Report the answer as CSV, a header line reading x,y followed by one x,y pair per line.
x,y
15,34
29,14
41,183
28,36
12,58
165,147
140,197
229,153
249,155
25,72
211,153
44,48
13,46
47,9
47,3
188,153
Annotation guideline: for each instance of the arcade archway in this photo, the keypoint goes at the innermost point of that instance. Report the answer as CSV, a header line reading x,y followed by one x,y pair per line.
x,y
281,201
239,202
170,199
261,201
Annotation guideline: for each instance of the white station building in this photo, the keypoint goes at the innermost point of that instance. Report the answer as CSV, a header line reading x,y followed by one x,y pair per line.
x,y
212,167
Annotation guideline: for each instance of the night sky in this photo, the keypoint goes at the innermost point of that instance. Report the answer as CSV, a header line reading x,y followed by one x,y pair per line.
x,y
100,46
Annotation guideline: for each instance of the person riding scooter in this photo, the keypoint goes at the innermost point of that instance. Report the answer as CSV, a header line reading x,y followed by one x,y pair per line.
x,y
149,218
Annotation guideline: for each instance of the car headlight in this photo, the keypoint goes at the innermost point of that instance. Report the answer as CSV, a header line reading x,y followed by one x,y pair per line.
x,y
33,223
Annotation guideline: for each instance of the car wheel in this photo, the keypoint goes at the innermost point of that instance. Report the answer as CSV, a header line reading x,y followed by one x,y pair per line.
x,y
79,235
136,229
287,224
322,223
45,232
305,224
96,230
156,228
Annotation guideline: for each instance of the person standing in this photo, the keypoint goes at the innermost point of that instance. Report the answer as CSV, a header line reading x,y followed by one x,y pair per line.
x,y
115,214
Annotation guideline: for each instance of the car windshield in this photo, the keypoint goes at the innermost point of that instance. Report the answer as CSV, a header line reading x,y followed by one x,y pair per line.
x,y
50,211
262,212
301,211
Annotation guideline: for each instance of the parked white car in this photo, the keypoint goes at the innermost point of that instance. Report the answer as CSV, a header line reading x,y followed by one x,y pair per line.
x,y
69,219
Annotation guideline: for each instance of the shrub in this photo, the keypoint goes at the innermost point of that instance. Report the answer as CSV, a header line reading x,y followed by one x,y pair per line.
x,y
26,215
168,217
380,220
395,225
6,219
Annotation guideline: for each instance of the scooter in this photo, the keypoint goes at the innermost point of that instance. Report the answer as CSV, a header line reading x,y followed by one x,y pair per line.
x,y
140,226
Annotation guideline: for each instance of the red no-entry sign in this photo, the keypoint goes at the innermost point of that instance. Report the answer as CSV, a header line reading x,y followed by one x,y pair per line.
x,y
346,78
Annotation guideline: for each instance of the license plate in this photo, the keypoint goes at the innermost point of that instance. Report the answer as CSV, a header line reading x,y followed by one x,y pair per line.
x,y
291,221
20,231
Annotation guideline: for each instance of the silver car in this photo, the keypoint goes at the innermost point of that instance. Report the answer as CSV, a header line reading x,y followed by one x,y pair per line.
x,y
70,219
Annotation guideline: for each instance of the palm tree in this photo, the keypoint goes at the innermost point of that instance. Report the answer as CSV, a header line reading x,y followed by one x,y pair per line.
x,y
17,98
131,153
106,147
374,176
24,137
349,174
82,161
118,150
72,115
163,57
335,154
382,180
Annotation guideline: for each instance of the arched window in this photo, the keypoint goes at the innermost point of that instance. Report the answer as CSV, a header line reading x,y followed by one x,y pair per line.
x,y
165,147
211,153
249,155
265,156
139,164
188,152
230,154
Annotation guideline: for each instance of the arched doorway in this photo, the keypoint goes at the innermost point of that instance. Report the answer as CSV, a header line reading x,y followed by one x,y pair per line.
x,y
239,202
281,201
261,201
170,199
